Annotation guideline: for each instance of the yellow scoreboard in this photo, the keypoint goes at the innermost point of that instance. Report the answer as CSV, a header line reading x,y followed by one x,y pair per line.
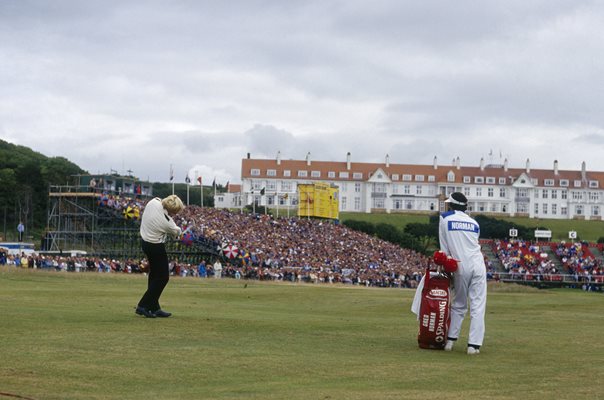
x,y
318,200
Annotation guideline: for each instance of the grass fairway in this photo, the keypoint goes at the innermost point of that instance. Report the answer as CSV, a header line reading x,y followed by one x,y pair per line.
x,y
75,336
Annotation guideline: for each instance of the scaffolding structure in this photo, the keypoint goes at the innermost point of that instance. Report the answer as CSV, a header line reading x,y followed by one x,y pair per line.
x,y
80,219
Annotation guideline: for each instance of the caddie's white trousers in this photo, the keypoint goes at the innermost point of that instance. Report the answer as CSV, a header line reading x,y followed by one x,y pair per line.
x,y
470,289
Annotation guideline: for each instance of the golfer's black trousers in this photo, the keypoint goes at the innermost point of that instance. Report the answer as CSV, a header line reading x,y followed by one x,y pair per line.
x,y
159,275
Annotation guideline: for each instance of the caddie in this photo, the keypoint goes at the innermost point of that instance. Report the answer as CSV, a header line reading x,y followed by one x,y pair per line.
x,y
458,235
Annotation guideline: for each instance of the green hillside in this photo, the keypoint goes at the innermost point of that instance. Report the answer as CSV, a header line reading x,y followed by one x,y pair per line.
x,y
586,230
24,179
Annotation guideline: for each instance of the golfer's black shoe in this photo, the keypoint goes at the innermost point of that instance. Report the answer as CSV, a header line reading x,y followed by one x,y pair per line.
x,y
144,312
161,314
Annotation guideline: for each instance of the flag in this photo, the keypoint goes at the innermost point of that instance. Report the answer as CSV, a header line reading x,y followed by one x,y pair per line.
x,y
262,192
227,186
199,179
171,173
214,182
285,196
187,179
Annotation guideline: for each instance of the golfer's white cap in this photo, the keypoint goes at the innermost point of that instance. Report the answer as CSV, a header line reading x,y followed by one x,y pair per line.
x,y
457,198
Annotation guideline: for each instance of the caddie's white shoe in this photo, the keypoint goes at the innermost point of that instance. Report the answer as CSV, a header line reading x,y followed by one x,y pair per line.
x,y
473,350
449,345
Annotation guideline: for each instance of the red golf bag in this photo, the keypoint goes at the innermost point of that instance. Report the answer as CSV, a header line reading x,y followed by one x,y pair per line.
x,y
434,317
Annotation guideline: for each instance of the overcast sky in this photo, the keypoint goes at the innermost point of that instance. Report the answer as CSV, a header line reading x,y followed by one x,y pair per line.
x,y
141,85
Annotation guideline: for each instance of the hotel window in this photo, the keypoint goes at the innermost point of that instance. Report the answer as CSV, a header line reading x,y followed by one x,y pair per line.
x,y
419,178
343,203
536,193
502,192
357,175
343,186
490,192
502,181
593,184
548,182
357,203
490,180
577,183
302,174
544,194
395,177
378,203
544,208
407,177
431,178
379,188
450,176
331,174
554,209
287,173
478,179
271,186
418,189
564,182
255,172
564,195
357,188
256,185
577,195
286,186
478,192
595,210
343,175
563,210
594,196
467,179
406,189
536,208
466,191
535,181
554,194
315,174
579,209
271,172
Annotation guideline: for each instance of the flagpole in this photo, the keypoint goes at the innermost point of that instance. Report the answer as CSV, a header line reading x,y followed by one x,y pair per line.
x,y
172,177
188,192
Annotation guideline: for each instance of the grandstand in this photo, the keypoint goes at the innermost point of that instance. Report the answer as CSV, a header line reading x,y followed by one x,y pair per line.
x,y
549,264
99,214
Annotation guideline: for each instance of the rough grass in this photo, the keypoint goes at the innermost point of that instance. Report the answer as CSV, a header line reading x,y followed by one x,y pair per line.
x,y
75,336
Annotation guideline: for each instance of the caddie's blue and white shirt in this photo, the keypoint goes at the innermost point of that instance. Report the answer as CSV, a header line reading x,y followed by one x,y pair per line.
x,y
458,235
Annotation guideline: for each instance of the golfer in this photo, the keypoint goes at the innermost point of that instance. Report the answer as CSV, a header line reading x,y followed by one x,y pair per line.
x,y
458,235
156,226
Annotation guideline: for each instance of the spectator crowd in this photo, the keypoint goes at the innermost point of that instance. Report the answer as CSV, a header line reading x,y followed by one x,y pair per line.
x,y
306,250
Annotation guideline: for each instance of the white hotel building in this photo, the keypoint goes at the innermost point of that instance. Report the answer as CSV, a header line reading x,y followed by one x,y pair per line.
x,y
496,190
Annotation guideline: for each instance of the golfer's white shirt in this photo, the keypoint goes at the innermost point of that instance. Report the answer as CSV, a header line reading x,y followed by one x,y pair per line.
x,y
458,234
156,224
